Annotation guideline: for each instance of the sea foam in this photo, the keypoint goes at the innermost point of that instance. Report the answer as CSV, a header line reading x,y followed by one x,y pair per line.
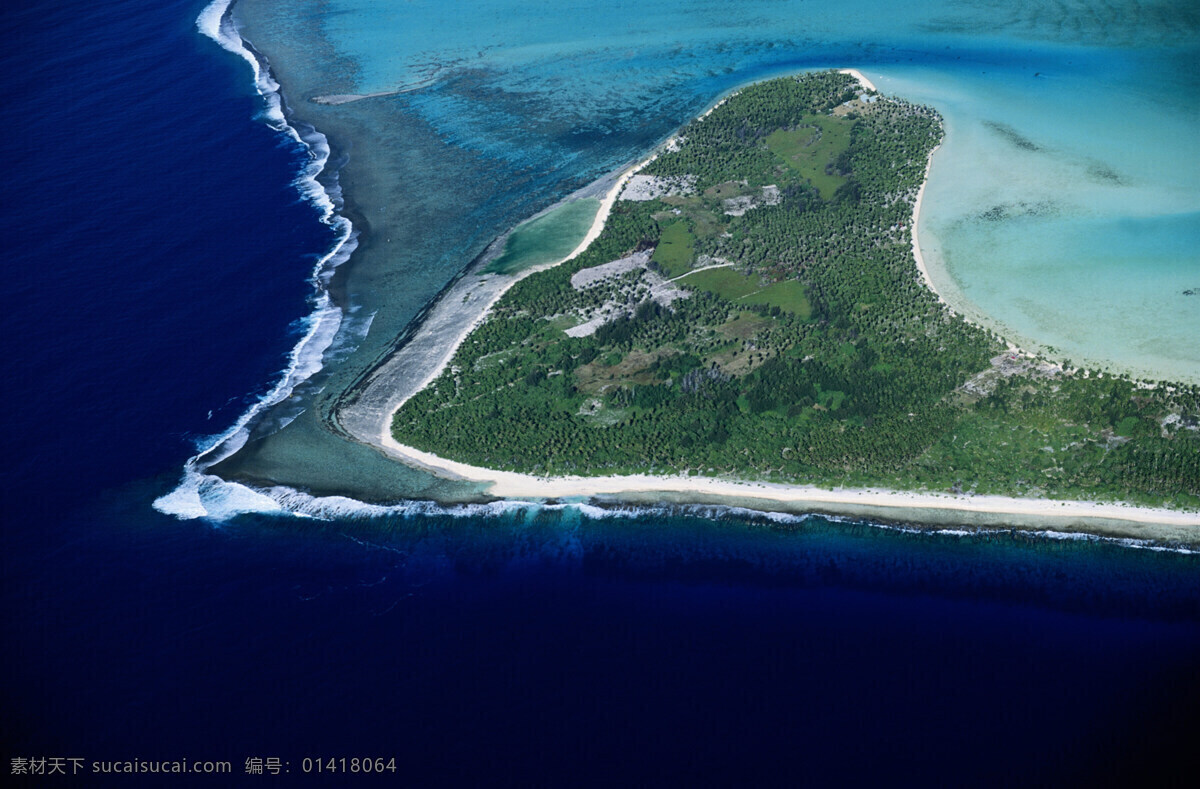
x,y
201,495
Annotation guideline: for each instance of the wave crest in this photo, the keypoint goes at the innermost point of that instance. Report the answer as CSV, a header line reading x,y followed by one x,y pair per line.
x,y
201,495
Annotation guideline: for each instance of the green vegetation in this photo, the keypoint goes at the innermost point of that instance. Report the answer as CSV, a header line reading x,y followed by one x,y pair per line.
x,y
675,252
725,282
788,295
807,349
817,151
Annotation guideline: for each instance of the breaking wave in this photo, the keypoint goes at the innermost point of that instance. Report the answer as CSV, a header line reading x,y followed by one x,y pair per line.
x,y
201,495
222,500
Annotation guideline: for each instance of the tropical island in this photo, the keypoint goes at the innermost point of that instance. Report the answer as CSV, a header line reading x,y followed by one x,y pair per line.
x,y
753,311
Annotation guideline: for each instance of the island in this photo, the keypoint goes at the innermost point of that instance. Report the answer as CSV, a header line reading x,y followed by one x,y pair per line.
x,y
749,320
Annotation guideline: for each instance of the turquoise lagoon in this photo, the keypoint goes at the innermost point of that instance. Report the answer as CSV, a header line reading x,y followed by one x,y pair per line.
x,y
1063,208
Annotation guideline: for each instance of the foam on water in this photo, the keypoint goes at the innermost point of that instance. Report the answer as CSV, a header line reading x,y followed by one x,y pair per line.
x,y
216,23
218,501
204,495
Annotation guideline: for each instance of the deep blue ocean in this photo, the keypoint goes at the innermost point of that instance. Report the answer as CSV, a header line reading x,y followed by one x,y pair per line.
x,y
157,273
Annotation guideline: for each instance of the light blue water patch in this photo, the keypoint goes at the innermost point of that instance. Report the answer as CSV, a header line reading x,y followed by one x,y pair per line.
x,y
398,45
1130,285
547,238
1062,208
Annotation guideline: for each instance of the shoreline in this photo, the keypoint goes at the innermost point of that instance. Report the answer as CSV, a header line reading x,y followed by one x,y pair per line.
x,y
456,312
363,408
923,508
858,75
960,310
922,268
916,241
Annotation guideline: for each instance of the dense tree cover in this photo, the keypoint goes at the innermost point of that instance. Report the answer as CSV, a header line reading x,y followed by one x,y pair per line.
x,y
879,385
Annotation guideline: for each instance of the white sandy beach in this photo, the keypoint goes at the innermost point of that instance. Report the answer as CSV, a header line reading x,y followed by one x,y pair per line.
x,y
1121,519
1111,519
916,242
858,75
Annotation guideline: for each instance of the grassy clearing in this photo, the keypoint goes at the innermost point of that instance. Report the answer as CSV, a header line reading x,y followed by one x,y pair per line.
x,y
808,149
632,369
724,282
789,296
704,222
675,250
831,400
743,326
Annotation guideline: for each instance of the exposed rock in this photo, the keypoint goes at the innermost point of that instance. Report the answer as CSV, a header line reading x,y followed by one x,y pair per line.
x,y
651,187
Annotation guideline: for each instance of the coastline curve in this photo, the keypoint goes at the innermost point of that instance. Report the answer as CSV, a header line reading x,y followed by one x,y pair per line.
x,y
196,492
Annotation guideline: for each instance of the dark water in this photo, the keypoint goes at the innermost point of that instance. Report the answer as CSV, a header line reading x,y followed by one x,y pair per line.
x,y
157,257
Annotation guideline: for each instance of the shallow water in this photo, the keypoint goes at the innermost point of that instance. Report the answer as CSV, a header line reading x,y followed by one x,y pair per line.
x,y
546,238
1069,194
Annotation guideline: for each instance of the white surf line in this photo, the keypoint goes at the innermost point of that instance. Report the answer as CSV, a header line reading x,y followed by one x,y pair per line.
x,y
321,325
1038,512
